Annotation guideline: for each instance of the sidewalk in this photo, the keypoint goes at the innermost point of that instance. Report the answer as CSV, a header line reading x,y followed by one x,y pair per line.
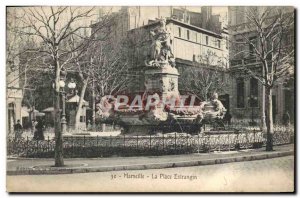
x,y
83,165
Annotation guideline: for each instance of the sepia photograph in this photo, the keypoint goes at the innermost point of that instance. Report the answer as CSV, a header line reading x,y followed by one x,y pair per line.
x,y
144,99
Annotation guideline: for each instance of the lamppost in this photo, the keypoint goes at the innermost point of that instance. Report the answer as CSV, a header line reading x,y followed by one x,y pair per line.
x,y
60,123
252,101
58,87
62,84
71,85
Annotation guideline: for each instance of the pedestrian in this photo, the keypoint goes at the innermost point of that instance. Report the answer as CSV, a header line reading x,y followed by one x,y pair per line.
x,y
227,118
89,125
33,124
286,119
39,132
18,129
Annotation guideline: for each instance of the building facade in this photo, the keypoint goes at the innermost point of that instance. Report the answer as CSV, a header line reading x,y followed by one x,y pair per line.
x,y
246,92
190,44
14,95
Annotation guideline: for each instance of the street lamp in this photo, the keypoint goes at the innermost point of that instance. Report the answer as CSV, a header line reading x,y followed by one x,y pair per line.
x,y
59,121
62,84
71,85
252,101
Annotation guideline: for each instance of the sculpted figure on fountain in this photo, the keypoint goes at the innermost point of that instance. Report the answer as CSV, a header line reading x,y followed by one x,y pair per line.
x,y
161,47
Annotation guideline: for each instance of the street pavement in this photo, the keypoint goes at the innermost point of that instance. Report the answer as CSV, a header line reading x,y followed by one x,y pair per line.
x,y
269,175
81,165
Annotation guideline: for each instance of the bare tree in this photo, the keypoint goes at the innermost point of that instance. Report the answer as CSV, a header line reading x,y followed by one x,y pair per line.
x,y
20,62
111,68
102,65
264,39
52,27
207,78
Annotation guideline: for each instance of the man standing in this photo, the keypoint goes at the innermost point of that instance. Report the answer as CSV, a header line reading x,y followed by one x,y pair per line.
x,y
286,119
227,118
18,130
39,133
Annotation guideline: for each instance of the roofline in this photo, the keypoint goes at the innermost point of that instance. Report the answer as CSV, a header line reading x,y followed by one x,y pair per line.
x,y
170,20
144,26
195,28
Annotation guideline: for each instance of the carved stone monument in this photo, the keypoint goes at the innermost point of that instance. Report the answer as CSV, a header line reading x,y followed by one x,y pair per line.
x,y
161,83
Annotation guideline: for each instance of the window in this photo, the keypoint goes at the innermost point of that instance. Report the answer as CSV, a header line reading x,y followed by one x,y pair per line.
x,y
194,57
219,43
194,37
206,40
240,86
199,38
82,118
188,35
179,31
253,100
239,48
11,106
254,87
251,47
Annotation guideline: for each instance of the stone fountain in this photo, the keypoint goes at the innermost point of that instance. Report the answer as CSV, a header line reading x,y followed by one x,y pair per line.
x,y
161,108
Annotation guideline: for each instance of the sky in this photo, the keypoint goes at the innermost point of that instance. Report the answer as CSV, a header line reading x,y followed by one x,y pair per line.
x,y
221,10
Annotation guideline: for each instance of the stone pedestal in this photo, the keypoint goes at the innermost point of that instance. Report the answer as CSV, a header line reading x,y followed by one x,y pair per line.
x,y
162,80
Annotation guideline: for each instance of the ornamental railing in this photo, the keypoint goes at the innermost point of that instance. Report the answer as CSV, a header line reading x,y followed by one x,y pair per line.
x,y
124,145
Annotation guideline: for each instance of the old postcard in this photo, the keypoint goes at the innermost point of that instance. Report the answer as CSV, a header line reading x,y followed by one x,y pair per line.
x,y
150,99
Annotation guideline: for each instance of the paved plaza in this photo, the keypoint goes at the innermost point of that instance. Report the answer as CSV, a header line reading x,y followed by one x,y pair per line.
x,y
25,166
270,175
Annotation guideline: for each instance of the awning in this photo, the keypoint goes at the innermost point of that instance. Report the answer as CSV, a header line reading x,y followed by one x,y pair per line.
x,y
75,99
49,109
25,112
39,114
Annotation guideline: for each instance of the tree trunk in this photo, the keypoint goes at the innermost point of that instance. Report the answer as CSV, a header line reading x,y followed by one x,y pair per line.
x,y
263,126
80,103
57,127
269,119
205,95
33,113
93,107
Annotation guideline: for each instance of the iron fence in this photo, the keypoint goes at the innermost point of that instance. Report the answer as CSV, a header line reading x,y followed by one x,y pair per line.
x,y
124,145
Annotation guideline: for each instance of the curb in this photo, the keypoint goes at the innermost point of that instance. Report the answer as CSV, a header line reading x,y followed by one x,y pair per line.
x,y
59,170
